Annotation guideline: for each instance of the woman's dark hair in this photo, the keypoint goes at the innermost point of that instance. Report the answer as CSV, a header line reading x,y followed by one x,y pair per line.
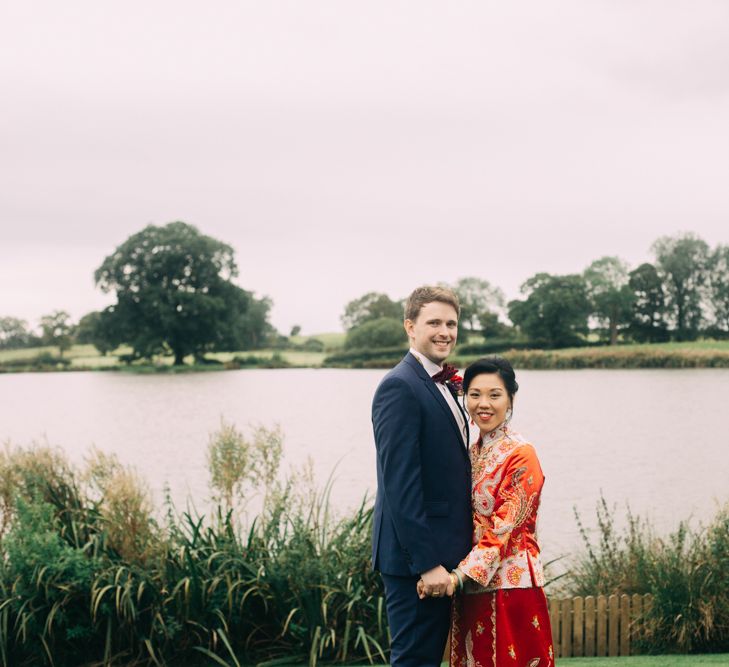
x,y
497,365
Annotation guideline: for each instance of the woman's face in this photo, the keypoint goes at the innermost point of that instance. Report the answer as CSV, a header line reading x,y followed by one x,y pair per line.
x,y
487,401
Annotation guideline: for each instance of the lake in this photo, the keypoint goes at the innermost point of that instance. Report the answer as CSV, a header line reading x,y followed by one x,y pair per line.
x,y
658,439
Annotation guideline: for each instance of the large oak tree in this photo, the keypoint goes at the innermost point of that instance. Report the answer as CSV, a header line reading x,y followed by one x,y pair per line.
x,y
174,294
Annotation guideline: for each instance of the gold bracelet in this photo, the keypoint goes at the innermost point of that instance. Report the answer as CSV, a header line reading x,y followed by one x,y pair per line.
x,y
454,580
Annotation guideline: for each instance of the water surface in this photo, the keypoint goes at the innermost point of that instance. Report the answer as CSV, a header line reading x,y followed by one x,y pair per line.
x,y
658,439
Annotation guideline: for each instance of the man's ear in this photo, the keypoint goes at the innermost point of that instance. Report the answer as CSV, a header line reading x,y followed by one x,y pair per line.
x,y
408,326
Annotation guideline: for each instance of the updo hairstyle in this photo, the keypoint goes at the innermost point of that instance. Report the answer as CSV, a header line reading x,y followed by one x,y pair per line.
x,y
497,365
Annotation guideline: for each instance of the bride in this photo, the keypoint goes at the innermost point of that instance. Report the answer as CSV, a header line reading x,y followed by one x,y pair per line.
x,y
500,614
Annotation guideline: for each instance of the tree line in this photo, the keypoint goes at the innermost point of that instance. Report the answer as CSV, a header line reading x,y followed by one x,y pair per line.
x,y
680,296
174,295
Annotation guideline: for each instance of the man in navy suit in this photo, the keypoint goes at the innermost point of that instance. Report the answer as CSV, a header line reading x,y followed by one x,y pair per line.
x,y
422,521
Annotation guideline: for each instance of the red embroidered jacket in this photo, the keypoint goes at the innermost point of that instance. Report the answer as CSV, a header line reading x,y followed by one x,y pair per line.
x,y
506,483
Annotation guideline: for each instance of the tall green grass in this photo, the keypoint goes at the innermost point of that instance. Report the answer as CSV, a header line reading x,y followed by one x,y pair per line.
x,y
88,574
686,572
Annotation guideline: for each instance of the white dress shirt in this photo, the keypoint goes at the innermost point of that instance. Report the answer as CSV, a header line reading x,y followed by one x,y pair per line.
x,y
431,369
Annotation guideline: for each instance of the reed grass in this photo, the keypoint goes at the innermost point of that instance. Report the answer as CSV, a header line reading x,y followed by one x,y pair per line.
x,y
686,572
629,356
89,576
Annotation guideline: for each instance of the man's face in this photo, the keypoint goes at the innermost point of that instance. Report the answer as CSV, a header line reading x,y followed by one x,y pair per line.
x,y
434,332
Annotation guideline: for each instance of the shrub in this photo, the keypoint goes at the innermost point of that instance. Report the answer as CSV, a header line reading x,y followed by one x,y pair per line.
x,y
312,345
382,332
295,583
367,358
494,345
685,572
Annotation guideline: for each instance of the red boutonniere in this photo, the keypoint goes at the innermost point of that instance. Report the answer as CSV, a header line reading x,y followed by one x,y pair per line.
x,y
448,375
456,384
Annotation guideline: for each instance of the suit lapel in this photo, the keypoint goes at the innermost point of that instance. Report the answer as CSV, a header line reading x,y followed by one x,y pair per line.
x,y
435,392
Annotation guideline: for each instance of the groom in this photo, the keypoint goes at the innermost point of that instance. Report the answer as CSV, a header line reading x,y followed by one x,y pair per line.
x,y
422,521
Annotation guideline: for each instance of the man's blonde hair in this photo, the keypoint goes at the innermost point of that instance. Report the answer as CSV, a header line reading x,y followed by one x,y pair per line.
x,y
427,294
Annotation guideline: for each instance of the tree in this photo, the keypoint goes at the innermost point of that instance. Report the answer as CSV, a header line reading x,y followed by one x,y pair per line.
x,y
649,305
682,264
555,310
491,327
609,293
295,330
382,332
174,294
14,333
478,298
719,286
97,329
57,330
371,306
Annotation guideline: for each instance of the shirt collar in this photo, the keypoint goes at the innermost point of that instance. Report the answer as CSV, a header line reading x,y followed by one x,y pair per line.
x,y
430,368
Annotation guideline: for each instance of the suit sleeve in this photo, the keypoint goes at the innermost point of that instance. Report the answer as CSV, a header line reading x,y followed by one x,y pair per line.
x,y
516,500
396,422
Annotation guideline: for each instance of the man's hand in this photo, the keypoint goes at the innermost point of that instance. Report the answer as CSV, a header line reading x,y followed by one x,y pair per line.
x,y
435,583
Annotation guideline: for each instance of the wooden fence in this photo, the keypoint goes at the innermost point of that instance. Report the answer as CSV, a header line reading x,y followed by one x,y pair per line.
x,y
596,626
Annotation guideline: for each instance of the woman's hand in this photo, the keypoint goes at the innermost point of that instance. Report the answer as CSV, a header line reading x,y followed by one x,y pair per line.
x,y
435,583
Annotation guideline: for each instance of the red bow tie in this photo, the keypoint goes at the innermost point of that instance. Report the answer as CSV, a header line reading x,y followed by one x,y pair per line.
x,y
445,374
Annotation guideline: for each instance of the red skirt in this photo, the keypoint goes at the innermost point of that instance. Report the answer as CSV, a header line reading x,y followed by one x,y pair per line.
x,y
506,627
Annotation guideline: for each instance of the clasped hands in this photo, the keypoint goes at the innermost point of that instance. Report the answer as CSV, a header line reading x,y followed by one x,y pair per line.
x,y
435,583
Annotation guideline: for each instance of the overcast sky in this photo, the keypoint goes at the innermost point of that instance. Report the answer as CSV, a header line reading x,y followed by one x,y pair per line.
x,y
345,147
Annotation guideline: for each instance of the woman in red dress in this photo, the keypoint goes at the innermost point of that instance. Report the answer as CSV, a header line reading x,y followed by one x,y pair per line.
x,y
500,615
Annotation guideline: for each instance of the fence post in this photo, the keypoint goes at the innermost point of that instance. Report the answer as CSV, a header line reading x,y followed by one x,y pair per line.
x,y
601,626
636,618
590,626
624,624
566,634
578,630
554,619
613,627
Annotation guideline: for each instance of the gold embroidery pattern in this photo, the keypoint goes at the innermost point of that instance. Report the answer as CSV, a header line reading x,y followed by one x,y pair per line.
x,y
493,627
518,505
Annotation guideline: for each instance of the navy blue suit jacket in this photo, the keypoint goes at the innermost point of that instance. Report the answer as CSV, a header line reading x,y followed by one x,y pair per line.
x,y
423,506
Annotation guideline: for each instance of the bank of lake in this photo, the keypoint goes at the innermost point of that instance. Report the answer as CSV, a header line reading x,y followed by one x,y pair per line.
x,y
697,354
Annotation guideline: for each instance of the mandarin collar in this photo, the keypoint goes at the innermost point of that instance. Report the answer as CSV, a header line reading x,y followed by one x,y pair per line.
x,y
499,433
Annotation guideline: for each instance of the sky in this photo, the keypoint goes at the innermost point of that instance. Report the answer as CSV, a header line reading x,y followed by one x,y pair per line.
x,y
348,147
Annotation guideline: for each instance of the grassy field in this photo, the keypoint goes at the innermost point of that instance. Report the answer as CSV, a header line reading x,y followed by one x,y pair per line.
x,y
645,661
331,339
709,353
648,661
641,661
83,357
